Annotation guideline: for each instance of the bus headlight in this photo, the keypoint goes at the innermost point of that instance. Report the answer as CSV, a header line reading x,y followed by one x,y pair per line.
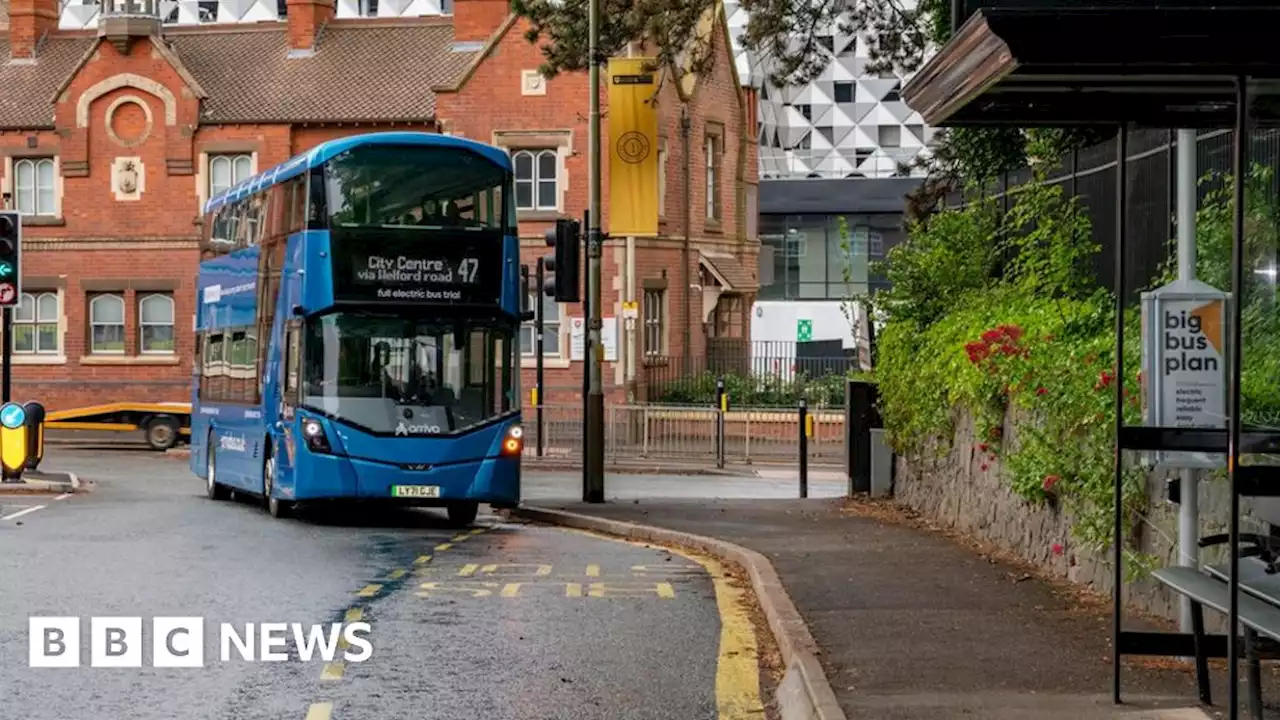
x,y
513,443
313,431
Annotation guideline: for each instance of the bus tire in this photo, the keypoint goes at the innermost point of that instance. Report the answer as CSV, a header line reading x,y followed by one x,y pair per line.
x,y
162,432
275,507
462,513
214,489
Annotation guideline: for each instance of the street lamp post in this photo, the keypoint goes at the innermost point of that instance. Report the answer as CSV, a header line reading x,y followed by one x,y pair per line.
x,y
593,446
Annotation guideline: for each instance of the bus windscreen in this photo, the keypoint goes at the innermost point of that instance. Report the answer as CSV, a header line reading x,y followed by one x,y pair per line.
x,y
407,376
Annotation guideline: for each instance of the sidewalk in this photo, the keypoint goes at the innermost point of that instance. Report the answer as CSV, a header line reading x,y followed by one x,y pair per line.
x,y
913,625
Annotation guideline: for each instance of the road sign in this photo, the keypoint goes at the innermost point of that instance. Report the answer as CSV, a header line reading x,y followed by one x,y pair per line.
x,y
12,416
7,293
804,330
631,309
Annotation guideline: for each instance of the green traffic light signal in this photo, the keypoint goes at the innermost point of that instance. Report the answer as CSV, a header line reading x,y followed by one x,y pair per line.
x,y
6,269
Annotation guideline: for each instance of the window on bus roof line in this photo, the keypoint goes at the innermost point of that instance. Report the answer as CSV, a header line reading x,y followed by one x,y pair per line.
x,y
417,186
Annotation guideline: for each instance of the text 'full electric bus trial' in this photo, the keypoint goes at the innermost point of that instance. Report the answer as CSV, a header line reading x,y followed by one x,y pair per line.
x,y
357,329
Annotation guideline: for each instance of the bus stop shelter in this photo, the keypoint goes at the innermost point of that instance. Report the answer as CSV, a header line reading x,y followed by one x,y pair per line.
x,y
1127,64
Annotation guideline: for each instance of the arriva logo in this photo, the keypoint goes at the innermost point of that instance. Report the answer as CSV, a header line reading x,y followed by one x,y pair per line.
x,y
403,429
234,443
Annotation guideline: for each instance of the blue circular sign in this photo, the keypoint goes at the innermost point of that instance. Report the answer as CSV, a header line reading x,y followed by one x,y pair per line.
x,y
12,416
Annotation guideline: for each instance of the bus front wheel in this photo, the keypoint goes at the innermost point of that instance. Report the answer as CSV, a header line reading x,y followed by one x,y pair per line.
x,y
275,506
215,489
462,513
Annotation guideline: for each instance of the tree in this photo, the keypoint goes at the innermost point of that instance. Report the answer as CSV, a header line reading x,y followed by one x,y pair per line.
x,y
786,32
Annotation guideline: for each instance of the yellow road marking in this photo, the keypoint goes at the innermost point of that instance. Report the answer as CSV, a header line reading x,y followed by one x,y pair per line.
x,y
468,570
333,670
320,711
461,537
353,615
422,560
369,590
443,546
477,531
396,574
738,666
593,571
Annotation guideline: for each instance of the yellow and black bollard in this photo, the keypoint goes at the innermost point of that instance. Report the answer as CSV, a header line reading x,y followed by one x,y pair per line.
x,y
13,441
35,434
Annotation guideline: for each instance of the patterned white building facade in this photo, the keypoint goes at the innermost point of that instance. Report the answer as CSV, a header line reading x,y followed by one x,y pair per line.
x,y
846,123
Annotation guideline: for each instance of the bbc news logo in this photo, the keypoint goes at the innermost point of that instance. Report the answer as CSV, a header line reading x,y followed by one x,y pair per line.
x,y
179,642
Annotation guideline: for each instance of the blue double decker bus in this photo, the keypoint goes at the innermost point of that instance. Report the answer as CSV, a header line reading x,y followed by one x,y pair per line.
x,y
357,329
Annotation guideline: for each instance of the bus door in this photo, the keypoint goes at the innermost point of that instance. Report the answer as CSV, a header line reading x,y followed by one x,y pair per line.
x,y
286,433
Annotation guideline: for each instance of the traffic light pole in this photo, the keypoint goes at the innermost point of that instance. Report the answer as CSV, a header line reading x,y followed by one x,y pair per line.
x,y
593,460
540,274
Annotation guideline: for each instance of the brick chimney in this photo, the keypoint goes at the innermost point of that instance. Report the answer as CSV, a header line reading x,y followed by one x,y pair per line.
x,y
306,19
478,20
29,20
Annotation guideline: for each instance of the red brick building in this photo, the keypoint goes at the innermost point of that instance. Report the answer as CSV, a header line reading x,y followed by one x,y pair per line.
x,y
111,140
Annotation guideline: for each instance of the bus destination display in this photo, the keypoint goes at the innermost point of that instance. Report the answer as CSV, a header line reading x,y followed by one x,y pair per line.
x,y
429,272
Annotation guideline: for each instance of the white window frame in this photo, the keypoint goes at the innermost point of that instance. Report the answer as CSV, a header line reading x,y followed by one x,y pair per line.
x,y
549,327
143,323
32,301
231,159
35,164
536,181
711,151
93,323
655,324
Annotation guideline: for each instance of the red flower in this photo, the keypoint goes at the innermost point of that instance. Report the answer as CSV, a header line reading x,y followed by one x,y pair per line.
x,y
984,467
1104,380
1057,548
992,336
1013,332
1041,391
982,447
977,352
1050,481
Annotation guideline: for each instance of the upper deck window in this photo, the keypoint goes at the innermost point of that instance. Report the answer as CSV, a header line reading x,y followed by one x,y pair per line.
x,y
413,186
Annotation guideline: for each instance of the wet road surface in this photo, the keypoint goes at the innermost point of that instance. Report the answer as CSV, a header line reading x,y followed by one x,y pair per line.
x,y
498,621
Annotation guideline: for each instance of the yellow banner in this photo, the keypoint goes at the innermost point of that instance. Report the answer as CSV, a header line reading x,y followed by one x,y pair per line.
x,y
633,148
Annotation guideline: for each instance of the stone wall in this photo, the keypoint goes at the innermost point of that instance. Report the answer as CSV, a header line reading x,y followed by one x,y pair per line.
x,y
949,486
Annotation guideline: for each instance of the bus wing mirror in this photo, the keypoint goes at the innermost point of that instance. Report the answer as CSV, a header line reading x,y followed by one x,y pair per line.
x,y
298,311
527,316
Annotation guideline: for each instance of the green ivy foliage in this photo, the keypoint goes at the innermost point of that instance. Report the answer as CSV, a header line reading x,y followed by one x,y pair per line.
x,y
997,318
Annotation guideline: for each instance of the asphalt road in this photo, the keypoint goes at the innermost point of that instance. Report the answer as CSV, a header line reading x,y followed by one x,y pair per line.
x,y
499,621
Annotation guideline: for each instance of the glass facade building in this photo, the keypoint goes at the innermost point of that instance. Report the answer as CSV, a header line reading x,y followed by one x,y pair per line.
x,y
819,238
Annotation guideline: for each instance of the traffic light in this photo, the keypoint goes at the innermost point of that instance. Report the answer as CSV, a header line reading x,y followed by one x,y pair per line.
x,y
10,254
566,238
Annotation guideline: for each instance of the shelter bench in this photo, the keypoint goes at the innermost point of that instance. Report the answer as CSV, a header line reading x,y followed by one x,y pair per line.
x,y
1258,605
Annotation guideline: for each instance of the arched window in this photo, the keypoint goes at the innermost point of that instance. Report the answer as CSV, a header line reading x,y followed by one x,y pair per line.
x,y
155,324
106,325
35,324
537,178
227,170
33,185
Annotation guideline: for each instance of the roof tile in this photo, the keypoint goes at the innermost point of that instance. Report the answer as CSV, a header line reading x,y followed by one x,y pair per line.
x,y
359,73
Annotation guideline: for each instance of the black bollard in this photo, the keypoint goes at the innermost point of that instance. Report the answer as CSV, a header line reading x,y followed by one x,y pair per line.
x,y
722,407
35,434
804,449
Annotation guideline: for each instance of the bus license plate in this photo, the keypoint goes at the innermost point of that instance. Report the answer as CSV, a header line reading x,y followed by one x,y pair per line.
x,y
415,491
